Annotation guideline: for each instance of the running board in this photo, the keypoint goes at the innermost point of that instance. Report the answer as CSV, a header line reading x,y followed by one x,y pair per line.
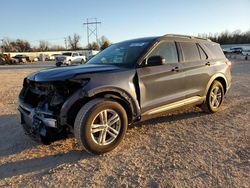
x,y
174,105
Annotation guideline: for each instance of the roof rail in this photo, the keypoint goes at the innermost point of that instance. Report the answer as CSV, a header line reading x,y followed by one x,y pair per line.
x,y
186,36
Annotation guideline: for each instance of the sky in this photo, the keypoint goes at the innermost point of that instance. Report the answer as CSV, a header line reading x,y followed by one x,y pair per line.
x,y
52,20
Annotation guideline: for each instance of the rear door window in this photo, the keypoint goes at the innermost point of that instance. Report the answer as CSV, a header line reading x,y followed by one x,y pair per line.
x,y
190,51
166,50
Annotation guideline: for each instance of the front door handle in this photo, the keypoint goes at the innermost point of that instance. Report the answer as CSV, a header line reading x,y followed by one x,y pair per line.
x,y
208,64
175,69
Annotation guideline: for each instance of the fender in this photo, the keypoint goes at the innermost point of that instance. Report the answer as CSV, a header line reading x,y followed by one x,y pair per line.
x,y
78,95
81,94
214,77
133,103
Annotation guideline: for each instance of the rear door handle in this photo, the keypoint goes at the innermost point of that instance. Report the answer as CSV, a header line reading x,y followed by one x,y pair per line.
x,y
208,64
175,69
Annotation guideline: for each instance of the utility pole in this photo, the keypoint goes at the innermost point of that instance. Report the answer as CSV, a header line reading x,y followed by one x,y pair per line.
x,y
1,46
65,42
92,28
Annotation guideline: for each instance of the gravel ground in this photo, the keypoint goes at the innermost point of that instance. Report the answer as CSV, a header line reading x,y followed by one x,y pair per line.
x,y
187,148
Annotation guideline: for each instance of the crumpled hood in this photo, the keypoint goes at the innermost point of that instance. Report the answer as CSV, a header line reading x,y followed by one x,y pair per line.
x,y
64,73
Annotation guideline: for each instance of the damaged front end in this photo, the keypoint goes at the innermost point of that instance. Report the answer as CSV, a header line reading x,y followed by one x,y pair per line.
x,y
40,104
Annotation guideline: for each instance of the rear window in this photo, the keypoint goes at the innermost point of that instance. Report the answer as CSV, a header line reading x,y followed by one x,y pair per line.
x,y
190,51
215,50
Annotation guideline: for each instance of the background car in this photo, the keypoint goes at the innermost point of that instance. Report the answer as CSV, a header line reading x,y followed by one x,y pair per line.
x,y
22,58
69,58
53,57
236,50
246,52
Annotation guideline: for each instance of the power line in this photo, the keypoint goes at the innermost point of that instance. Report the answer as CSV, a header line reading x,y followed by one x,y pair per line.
x,y
92,28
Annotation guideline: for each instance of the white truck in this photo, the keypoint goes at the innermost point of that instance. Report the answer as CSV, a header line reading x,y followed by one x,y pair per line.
x,y
69,58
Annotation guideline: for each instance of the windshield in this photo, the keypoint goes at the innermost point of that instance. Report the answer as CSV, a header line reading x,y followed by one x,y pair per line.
x,y
121,54
67,54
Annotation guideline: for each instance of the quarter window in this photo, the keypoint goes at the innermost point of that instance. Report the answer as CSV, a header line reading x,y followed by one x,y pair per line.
x,y
216,50
166,50
202,53
190,51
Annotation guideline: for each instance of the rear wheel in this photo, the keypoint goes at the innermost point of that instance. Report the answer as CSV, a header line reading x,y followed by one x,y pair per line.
x,y
100,125
214,98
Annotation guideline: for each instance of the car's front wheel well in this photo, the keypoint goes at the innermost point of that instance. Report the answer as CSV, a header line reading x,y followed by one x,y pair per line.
x,y
71,115
118,98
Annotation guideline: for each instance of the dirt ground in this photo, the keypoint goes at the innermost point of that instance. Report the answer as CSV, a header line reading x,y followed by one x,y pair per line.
x,y
187,148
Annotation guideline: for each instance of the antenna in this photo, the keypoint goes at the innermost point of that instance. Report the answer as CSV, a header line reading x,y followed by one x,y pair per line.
x,y
92,27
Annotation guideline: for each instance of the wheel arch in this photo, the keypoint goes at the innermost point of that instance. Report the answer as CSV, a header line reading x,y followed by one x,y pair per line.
x,y
73,104
219,77
121,96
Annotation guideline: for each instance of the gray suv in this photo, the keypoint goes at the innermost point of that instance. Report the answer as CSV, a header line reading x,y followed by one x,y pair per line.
x,y
128,82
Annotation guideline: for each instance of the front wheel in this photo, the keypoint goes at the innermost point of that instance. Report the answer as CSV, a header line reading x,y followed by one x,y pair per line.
x,y
82,61
100,125
68,63
58,64
214,98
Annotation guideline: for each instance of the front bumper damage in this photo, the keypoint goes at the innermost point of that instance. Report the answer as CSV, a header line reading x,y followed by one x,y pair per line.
x,y
40,105
40,125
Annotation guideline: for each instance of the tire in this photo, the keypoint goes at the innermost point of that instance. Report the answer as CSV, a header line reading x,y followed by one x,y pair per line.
x,y
210,105
69,63
89,115
58,64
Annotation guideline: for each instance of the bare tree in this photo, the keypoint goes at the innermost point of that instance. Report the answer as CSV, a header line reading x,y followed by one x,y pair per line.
x,y
103,42
15,46
74,41
93,46
226,37
43,45
22,45
7,45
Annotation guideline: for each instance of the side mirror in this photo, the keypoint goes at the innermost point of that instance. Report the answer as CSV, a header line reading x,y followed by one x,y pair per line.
x,y
155,60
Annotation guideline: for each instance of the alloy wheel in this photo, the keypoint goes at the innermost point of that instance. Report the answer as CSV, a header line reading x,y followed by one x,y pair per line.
x,y
105,127
216,97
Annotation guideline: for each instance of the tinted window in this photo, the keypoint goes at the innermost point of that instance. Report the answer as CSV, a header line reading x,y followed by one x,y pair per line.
x,y
67,54
216,50
202,53
190,51
166,50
